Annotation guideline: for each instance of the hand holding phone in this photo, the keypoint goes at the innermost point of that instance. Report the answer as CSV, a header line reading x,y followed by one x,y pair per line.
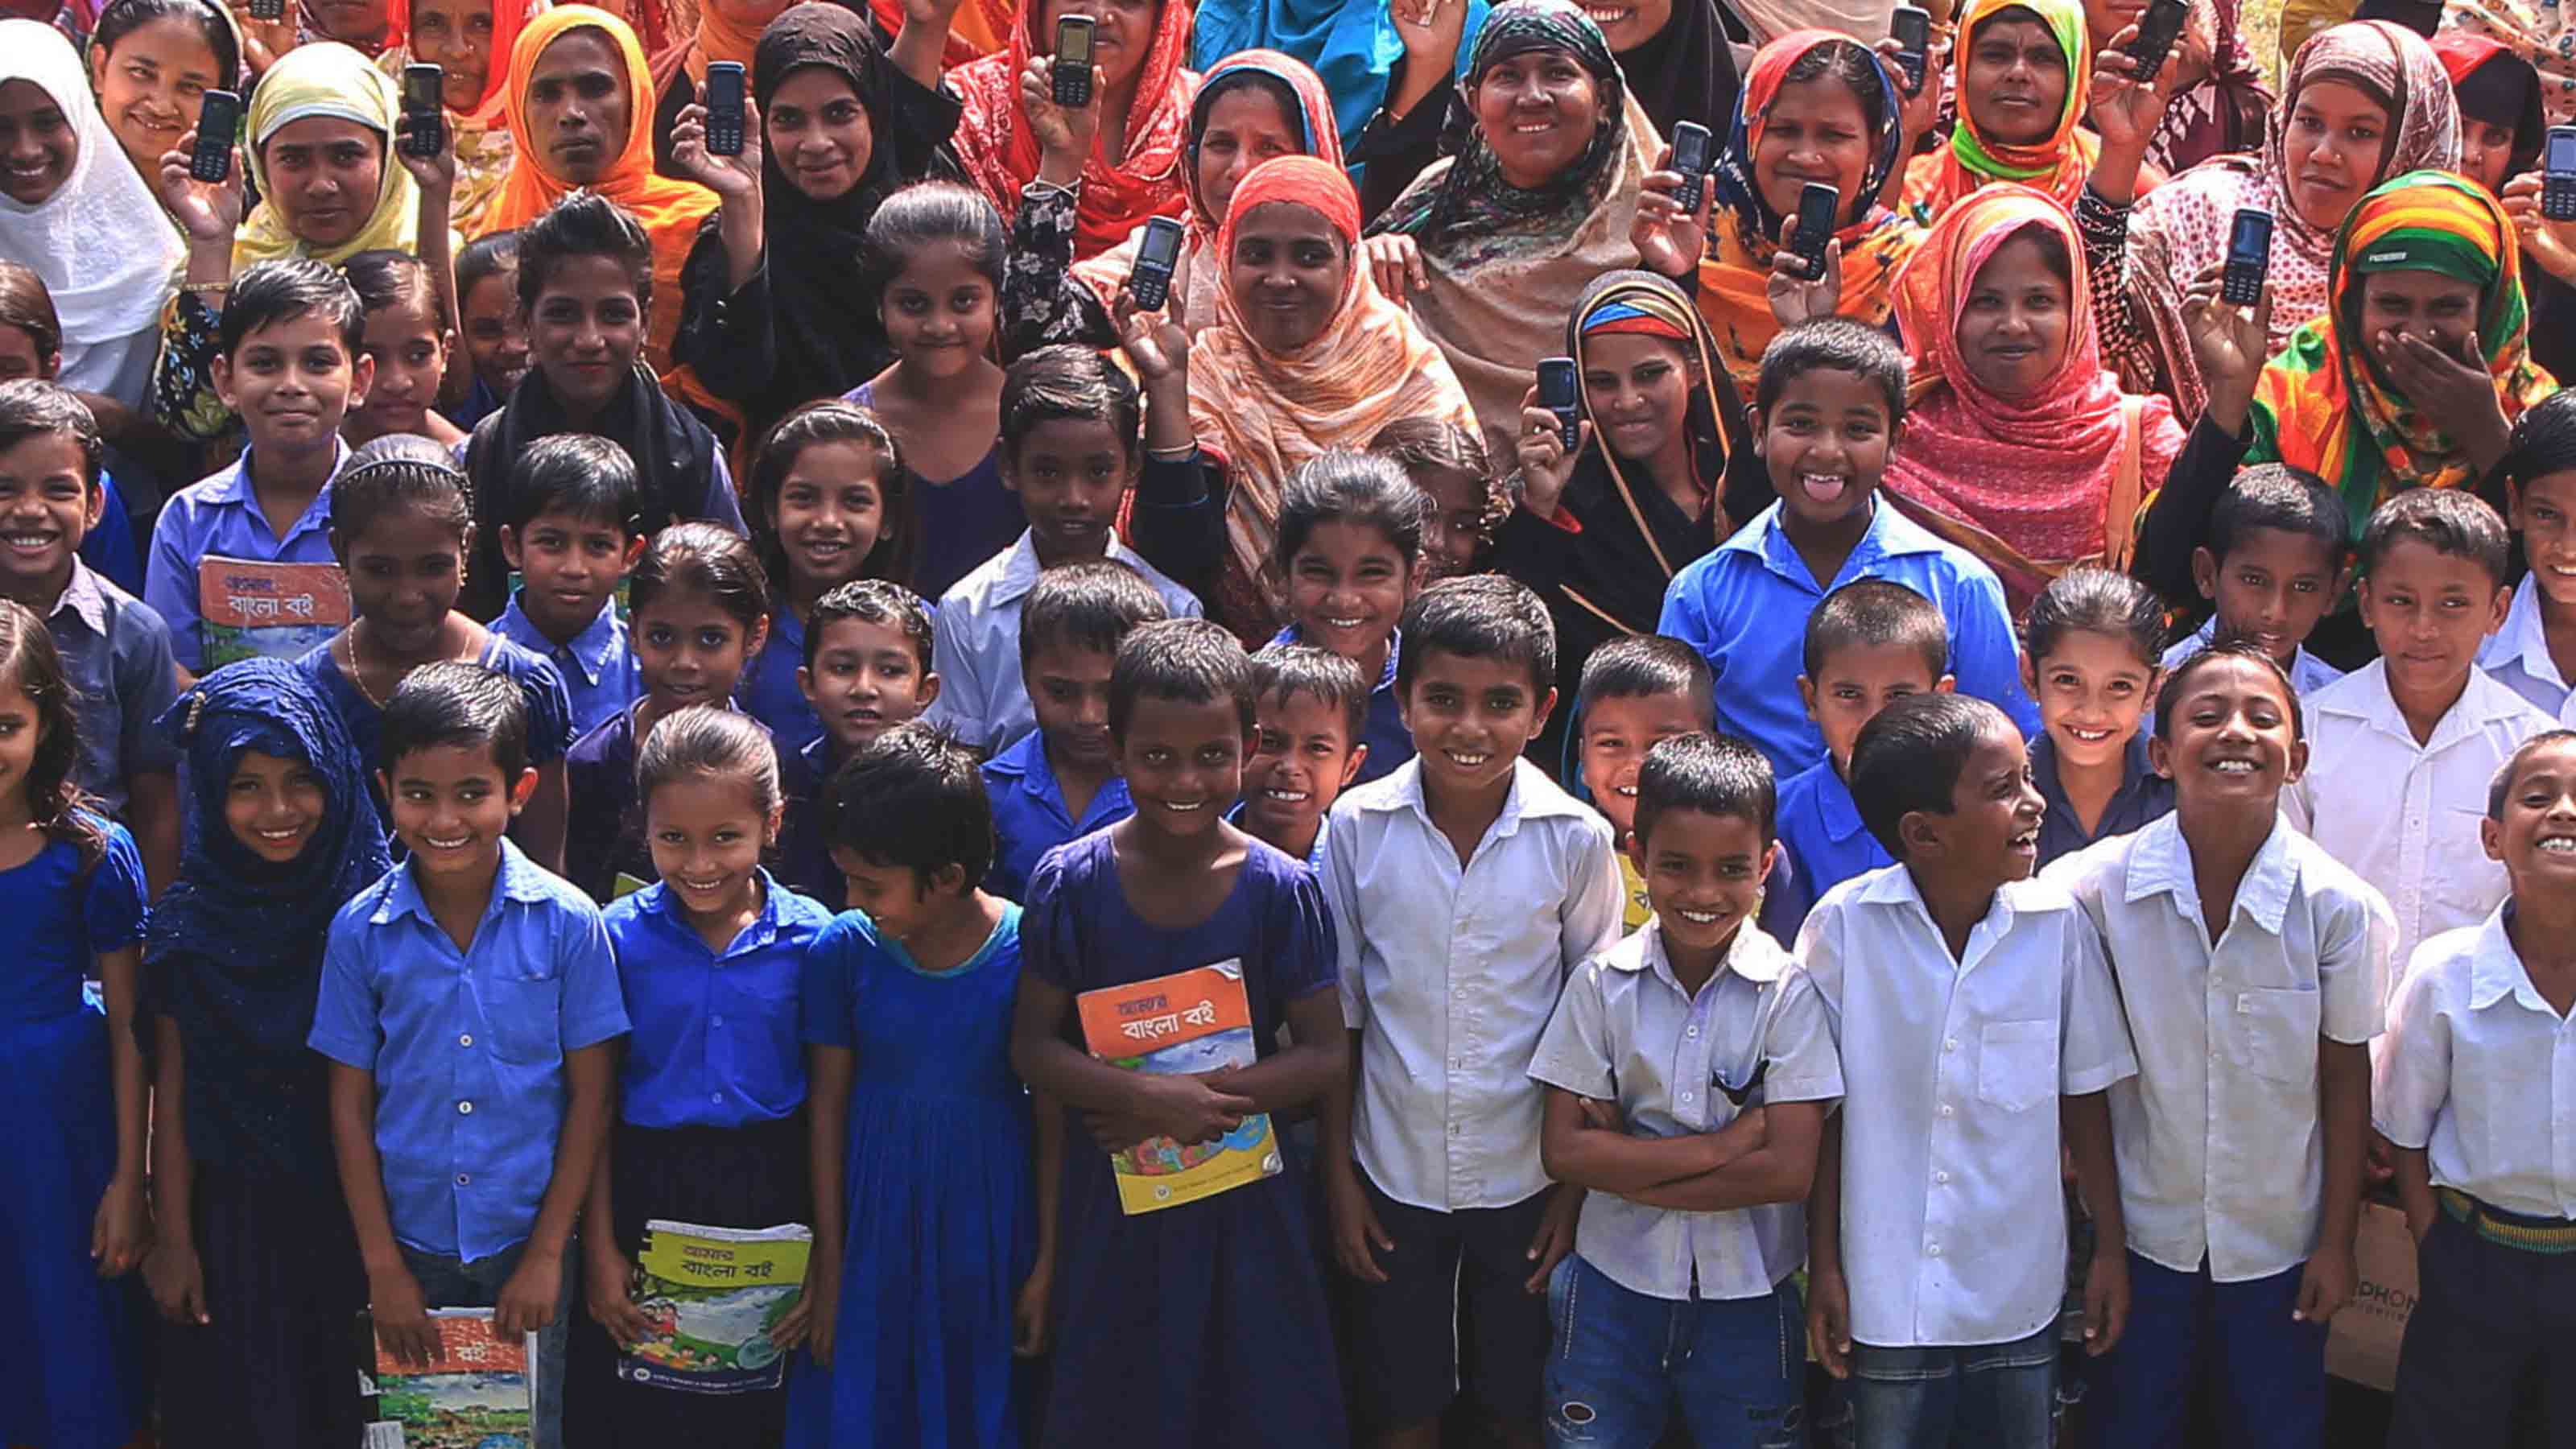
x,y
424,114
1071,69
268,9
1560,391
1694,152
2558,175
1150,281
1815,229
1912,27
2158,29
2249,258
218,121
725,87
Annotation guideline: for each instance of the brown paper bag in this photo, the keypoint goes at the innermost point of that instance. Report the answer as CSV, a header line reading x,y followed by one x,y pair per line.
x,y
2361,1343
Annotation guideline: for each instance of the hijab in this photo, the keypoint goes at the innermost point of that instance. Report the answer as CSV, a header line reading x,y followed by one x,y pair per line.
x,y
100,243
1354,48
328,79
509,17
2057,164
484,147
2223,111
2497,87
1687,71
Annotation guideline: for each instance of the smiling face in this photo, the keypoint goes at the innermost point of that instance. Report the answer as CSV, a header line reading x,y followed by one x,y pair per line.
x,y
1303,757
568,566
2338,137
455,36
706,833
899,901
2014,324
451,806
1703,876
323,175
2233,737
404,572
1814,131
150,86
272,805
1120,43
1627,24
22,730
1991,834
496,337
939,311
1347,586
2273,587
2092,689
579,107
1183,762
1470,719
2429,611
292,381
1287,272
1068,689
1825,441
1858,681
2544,513
1618,730
818,132
1453,529
37,146
1245,127
409,350
2486,153
2441,310
867,677
1069,473
1640,390
1538,111
585,330
690,651
2016,79
830,513
47,506
2536,839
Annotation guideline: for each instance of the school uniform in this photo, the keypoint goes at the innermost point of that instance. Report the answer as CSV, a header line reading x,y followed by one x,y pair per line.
x,y
116,657
2517,654
2307,672
1029,813
2143,796
1389,743
597,665
218,517
804,862
2220,1146
605,852
1823,843
768,691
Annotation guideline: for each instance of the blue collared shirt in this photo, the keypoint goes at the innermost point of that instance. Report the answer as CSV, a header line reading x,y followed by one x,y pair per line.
x,y
805,862
2517,654
598,668
2143,796
715,1039
116,654
467,1047
1389,743
1824,843
1314,857
219,516
768,691
1744,607
1029,815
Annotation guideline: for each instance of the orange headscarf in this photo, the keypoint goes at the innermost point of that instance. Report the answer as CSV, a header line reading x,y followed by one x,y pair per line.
x,y
716,38
979,28
509,17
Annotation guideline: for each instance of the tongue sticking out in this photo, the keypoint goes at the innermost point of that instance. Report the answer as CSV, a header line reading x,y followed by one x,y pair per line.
x,y
1821,488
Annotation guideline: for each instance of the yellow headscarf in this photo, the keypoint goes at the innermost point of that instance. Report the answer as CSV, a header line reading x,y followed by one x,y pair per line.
x,y
327,79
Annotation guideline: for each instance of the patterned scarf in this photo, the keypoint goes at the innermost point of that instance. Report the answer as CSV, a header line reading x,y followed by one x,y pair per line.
x,y
2537,33
2057,164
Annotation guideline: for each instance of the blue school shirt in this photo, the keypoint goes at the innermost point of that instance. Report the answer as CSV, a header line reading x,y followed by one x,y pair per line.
x,y
219,516
767,690
1314,856
715,1040
1744,607
2307,671
1389,743
109,547
116,656
2143,796
467,1047
804,853
1825,843
1029,816
598,668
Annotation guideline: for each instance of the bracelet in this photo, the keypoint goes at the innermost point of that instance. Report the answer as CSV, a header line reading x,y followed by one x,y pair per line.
x,y
206,288
1173,455
1037,189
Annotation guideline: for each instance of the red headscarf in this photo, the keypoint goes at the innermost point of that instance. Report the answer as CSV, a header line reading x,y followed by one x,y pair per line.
x,y
975,32
492,111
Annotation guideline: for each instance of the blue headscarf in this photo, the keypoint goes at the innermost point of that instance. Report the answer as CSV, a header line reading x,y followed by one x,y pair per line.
x,y
234,951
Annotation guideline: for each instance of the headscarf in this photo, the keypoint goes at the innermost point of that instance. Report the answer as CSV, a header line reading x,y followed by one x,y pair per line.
x,y
2538,34
2032,485
1354,48
1687,71
484,146
2057,164
100,242
492,112
1268,412
2496,86
1735,278
2223,111
1000,152
234,950
2323,401
975,31
1772,21
717,37
329,79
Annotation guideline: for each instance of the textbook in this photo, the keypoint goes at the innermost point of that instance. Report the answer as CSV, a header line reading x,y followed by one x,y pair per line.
x,y
254,608
1188,1022
479,1394
713,1295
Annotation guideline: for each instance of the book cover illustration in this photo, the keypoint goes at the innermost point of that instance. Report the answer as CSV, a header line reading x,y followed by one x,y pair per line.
x,y
713,1295
250,608
480,1393
1185,1023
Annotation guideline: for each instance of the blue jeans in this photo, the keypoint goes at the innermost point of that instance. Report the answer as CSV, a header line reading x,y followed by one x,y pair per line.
x,y
1623,1360
2267,1374
1995,1396
447,1282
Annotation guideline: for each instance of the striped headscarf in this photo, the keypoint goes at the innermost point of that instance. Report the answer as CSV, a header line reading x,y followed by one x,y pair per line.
x,y
2056,164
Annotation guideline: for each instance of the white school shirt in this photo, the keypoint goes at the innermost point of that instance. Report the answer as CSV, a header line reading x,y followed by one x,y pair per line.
x,y
2405,816
2480,1074
975,649
1626,1032
1450,974
1953,1227
2517,654
2221,1152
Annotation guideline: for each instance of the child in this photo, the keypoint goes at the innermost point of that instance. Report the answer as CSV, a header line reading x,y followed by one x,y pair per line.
x,y
867,670
1680,1288
2272,566
2534,654
1348,554
496,340
468,1002
1072,445
409,336
2252,967
710,1122
1464,887
1825,417
252,1265
570,535
1868,645
2402,749
699,608
71,886
1309,709
2090,661
31,346
937,1154
827,489
290,363
1636,692
2467,1090
1978,1026
113,646
1062,781
1448,462
401,528
1234,1306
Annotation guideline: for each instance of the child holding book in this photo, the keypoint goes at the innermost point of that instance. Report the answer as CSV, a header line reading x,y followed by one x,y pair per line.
x,y
867,671
570,534
1635,693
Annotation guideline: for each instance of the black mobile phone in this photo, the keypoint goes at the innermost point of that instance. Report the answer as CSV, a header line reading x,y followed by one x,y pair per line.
x,y
1694,152
1151,279
2249,257
724,107
424,112
1071,68
1560,391
268,9
1816,208
2558,175
1912,27
218,121
2158,29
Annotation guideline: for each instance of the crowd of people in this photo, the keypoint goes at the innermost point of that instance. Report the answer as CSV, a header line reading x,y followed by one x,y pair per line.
x,y
649,640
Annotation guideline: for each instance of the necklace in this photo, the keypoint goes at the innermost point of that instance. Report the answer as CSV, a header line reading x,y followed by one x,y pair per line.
x,y
358,676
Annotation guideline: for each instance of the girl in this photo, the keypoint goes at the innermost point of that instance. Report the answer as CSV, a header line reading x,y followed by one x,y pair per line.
x,y
151,63
705,1135
71,887
933,262
410,336
1349,558
495,336
469,41
697,611
1448,462
401,529
828,495
2089,652
253,1263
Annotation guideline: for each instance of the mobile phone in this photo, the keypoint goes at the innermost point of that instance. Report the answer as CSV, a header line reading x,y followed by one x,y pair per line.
x,y
424,114
1560,391
724,107
2249,257
1071,69
218,121
268,9
1694,151
1150,281
2558,176
1816,207
1912,27
2158,29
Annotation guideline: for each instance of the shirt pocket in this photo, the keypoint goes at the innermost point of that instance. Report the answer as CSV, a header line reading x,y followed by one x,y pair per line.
x,y
523,1012
2017,1064
2462,881
2273,1034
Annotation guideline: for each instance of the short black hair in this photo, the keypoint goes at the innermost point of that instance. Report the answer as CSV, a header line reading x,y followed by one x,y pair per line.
x,y
267,293
1341,486
1192,661
1480,616
1091,605
486,256
2543,441
1637,666
913,800
456,703
2501,784
872,601
2225,648
583,224
386,277
1069,383
582,475
2096,601
31,406
1280,671
400,473
2450,521
2286,500
27,306
1910,756
1833,344
923,215
1713,773
1875,614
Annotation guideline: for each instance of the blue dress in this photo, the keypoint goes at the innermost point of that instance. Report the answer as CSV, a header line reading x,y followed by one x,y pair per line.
x,y
540,683
68,1378
1204,1323
939,1195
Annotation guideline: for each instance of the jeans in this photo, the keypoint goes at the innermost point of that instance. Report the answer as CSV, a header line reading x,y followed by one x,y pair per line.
x,y
1622,1361
2267,1373
1995,1396
447,1282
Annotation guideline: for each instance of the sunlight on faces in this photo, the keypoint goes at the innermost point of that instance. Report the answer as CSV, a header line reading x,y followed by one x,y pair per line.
x,y
37,144
1816,130
585,330
579,108
47,506
1303,757
451,806
19,358
1825,442
150,87
2016,81
2439,309
323,176
939,311
1859,681
2271,589
2092,689
1069,693
2429,611
1991,833
867,677
688,650
1703,875
1471,717
1538,111
2233,737
706,833
455,36
1119,45
568,567
1287,272
1347,587
2014,324
1183,762
818,132
405,571
2486,153
409,350
2544,513
272,805
1639,389
2536,839
1070,474
2338,137
831,511
292,381
1245,127
1617,733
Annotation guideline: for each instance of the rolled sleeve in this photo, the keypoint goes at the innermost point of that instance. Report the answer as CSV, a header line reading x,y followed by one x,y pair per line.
x,y
1803,1063
346,1027
2413,1079
2352,969
594,1005
2096,1051
1574,1052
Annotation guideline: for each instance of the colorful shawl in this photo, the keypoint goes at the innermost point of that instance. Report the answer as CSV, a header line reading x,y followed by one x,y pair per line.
x,y
2321,405
2538,34
483,144
327,78
2496,86
2057,165
717,37
1000,152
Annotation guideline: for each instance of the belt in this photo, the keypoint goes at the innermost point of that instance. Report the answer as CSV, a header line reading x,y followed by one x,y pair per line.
x,y
2508,1230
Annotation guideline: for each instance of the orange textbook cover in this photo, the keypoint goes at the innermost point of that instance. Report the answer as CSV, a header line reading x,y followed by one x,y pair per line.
x,y
1188,1022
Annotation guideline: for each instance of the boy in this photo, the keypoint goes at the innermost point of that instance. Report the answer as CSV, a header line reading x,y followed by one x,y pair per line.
x,y
1826,415
1464,887
115,649
1691,1228
2472,1091
2273,565
1869,644
2539,631
467,1005
1073,442
31,346
866,671
2240,1140
1062,781
1978,1027
1309,709
2402,749
571,536
1635,693
253,541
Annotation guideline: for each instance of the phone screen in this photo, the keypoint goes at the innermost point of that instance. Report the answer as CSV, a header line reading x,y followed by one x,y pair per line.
x,y
1557,382
421,87
1073,41
2162,24
1816,209
2250,239
1690,149
1911,27
2562,150
724,88
1162,245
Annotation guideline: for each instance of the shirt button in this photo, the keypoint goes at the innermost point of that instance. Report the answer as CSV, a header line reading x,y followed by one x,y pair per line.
x,y
1453,1129
1950,1045
464,1178
715,1021
1694,1031
1945,1110
465,1109
1686,1099
1932,1250
716,1097
465,1039
1940,1177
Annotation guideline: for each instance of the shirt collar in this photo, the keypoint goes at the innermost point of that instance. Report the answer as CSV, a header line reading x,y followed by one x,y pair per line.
x,y
233,484
591,651
1894,886
1020,759
1890,535
1296,634
2496,970
1529,798
1835,803
1751,954
81,595
2136,768
2524,639
517,880
1020,568
659,899
2482,703
2160,863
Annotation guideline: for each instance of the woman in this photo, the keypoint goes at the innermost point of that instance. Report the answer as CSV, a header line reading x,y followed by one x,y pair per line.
x,y
2501,125
151,63
1129,139
1355,48
2023,76
976,28
2531,32
2220,102
470,42
727,30
1304,355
